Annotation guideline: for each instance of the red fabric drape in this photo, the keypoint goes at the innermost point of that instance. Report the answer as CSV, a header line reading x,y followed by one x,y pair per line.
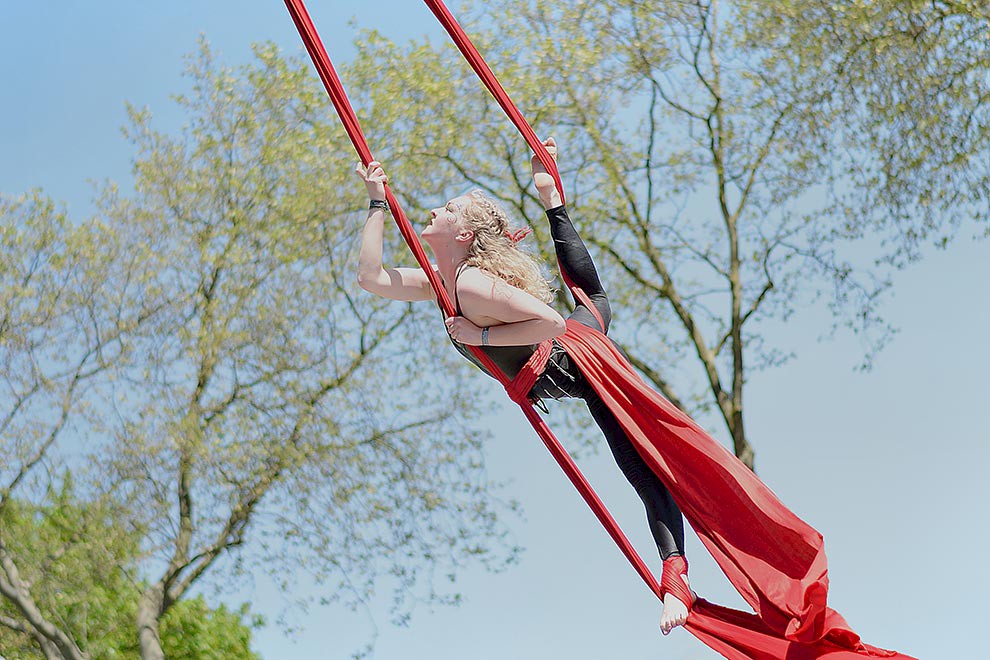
x,y
773,558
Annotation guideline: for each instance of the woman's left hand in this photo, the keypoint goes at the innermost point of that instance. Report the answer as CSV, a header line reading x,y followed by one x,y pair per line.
x,y
463,331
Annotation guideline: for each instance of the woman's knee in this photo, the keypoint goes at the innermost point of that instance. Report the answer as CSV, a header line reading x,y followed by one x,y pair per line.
x,y
604,309
588,317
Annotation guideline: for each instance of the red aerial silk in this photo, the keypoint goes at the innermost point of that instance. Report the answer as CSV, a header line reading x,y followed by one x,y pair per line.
x,y
774,559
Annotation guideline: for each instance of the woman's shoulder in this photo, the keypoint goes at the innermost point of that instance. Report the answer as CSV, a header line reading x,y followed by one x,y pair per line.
x,y
479,285
478,279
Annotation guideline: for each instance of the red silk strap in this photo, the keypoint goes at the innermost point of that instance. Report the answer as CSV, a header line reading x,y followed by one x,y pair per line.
x,y
477,62
518,389
347,116
671,581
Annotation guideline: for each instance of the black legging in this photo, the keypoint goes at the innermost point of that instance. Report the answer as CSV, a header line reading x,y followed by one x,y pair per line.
x,y
562,378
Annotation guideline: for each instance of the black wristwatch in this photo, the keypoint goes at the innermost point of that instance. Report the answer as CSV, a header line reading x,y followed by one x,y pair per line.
x,y
378,204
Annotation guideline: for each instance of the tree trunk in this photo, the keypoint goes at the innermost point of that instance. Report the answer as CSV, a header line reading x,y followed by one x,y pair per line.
x,y
149,610
49,649
741,446
50,638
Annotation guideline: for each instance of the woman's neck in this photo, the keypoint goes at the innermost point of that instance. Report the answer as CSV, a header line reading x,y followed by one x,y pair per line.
x,y
449,258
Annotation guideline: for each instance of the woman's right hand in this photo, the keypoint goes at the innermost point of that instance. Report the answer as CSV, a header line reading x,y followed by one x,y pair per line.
x,y
374,178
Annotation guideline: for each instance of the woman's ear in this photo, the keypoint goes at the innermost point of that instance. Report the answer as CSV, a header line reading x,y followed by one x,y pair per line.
x,y
464,236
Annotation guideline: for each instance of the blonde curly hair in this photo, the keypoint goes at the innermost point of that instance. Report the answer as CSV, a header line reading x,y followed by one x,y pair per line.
x,y
494,250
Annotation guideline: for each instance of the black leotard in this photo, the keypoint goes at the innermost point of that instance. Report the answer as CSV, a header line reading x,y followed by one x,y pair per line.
x,y
509,359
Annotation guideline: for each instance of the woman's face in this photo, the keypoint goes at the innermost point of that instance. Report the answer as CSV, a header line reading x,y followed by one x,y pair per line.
x,y
447,220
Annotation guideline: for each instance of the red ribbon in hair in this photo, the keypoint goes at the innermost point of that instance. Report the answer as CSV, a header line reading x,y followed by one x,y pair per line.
x,y
518,235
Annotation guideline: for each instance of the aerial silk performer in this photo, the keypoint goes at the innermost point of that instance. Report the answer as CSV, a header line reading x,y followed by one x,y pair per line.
x,y
495,304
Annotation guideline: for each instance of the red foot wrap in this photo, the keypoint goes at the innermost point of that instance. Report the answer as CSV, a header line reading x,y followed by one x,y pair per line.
x,y
671,581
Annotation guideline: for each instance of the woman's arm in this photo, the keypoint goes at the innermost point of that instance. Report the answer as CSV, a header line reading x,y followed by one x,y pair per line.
x,y
395,283
512,316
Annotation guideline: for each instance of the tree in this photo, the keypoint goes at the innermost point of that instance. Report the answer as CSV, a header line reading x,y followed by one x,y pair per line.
x,y
54,345
245,407
268,401
906,85
704,164
91,589
191,630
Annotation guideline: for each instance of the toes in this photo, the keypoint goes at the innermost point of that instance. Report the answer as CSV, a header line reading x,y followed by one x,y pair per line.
x,y
667,625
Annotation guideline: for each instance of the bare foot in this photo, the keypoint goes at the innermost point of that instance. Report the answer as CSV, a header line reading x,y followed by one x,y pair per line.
x,y
545,184
675,613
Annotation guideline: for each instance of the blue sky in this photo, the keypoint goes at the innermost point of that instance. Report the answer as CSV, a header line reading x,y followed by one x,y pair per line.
x,y
889,465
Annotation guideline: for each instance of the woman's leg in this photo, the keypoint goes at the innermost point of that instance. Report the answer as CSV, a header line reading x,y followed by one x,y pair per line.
x,y
662,513
575,261
663,516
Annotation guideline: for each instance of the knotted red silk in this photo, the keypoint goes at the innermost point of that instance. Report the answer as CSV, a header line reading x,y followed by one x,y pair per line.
x,y
775,560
